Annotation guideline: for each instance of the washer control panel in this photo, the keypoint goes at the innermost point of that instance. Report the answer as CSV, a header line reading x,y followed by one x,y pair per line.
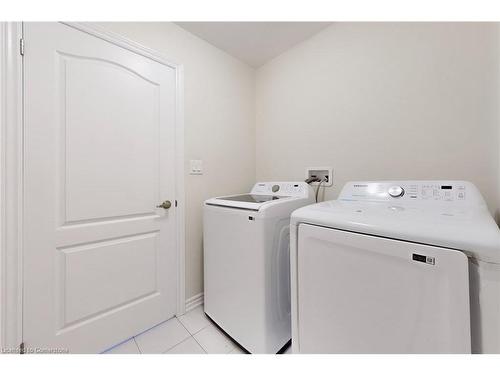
x,y
443,191
288,189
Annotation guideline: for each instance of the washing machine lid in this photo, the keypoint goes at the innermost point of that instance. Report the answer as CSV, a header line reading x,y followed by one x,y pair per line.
x,y
425,214
265,194
252,202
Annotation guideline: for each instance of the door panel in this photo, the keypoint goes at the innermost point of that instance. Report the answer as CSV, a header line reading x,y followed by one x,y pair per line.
x,y
99,257
364,294
123,136
112,283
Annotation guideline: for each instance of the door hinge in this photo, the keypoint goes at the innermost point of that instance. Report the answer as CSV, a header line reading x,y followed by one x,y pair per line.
x,y
22,349
21,46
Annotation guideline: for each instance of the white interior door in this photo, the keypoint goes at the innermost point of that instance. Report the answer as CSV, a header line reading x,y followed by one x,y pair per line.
x,y
99,257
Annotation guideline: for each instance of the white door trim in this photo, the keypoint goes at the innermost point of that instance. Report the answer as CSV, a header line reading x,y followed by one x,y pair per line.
x,y
11,162
11,171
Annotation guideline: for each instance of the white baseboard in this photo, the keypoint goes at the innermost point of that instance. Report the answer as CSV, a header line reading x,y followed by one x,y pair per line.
x,y
194,301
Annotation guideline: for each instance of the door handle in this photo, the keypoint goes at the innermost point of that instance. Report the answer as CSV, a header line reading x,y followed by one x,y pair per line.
x,y
165,205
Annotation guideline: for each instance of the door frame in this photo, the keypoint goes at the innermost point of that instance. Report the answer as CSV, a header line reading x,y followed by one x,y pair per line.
x,y
11,172
12,162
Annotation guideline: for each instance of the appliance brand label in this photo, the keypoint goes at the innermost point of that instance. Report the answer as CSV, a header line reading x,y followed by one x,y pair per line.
x,y
423,259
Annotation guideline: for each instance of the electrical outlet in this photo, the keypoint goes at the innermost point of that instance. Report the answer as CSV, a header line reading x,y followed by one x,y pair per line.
x,y
325,173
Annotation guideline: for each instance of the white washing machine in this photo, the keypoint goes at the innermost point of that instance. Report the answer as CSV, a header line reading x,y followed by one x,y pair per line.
x,y
396,267
247,263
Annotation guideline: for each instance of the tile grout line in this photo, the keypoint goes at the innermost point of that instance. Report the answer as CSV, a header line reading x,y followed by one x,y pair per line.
x,y
226,336
136,344
208,325
192,334
182,324
166,351
201,346
187,338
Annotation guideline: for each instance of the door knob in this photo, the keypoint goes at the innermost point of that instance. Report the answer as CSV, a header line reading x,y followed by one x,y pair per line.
x,y
165,205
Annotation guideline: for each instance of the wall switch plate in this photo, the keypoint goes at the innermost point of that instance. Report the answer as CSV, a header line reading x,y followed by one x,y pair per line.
x,y
196,167
321,173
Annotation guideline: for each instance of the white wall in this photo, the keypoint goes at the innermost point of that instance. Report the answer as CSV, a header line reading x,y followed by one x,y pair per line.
x,y
374,101
383,101
219,124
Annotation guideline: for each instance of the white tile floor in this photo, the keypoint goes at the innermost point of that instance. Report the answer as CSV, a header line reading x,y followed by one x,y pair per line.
x,y
192,333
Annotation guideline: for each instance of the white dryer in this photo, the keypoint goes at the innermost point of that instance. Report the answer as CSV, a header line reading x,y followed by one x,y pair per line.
x,y
396,267
246,241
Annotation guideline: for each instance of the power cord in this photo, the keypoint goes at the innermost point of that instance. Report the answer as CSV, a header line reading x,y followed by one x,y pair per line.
x,y
310,180
319,185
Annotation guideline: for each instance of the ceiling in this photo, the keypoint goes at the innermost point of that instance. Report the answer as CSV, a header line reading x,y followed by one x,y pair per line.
x,y
254,42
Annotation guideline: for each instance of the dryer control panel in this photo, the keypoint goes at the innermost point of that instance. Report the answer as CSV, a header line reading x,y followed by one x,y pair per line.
x,y
288,189
431,191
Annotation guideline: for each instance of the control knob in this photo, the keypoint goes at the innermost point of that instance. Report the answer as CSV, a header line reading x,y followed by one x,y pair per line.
x,y
396,191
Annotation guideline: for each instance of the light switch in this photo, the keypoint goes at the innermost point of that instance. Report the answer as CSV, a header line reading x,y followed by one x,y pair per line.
x,y
196,167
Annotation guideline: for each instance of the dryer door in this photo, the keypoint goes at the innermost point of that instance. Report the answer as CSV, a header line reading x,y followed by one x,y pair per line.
x,y
364,294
